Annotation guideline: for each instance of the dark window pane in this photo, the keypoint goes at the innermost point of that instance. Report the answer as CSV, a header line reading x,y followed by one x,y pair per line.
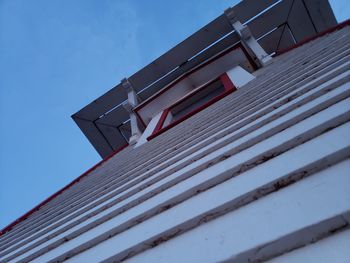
x,y
197,99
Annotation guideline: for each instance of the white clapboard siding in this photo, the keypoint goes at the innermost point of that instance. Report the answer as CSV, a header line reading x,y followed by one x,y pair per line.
x,y
234,135
53,216
332,249
262,172
63,206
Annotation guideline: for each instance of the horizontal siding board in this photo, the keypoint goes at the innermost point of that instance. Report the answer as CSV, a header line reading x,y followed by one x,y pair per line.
x,y
309,74
331,109
204,241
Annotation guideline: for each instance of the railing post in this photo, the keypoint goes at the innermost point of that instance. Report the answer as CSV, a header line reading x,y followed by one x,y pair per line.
x,y
247,38
129,105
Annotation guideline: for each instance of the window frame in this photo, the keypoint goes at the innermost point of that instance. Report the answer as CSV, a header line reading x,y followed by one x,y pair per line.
x,y
229,87
238,45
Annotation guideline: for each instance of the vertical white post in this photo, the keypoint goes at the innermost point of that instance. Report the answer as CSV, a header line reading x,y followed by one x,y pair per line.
x,y
247,38
131,103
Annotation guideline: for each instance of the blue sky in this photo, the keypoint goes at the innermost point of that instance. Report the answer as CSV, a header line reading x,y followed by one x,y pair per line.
x,y
56,57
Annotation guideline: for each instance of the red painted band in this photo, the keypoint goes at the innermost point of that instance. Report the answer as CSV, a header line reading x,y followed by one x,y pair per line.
x,y
141,120
161,121
226,81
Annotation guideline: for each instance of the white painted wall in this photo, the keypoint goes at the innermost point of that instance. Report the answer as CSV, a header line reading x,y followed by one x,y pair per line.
x,y
149,129
268,165
303,204
334,248
239,76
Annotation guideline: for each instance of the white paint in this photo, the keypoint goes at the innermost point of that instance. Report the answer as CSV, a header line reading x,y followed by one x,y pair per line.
x,y
321,117
247,37
335,248
335,41
295,113
205,175
305,203
182,186
148,131
224,126
165,99
239,76
129,105
332,71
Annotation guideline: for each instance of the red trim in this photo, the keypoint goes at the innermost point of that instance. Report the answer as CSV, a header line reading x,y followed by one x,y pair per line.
x,y
308,39
166,111
229,88
36,208
190,94
139,117
161,121
225,79
236,46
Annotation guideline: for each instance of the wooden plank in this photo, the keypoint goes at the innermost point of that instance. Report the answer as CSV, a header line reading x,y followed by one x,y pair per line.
x,y
196,137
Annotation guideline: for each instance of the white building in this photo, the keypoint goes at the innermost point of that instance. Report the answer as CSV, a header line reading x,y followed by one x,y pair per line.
x,y
231,147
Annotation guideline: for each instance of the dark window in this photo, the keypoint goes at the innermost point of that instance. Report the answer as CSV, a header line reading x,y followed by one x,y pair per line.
x,y
194,102
197,99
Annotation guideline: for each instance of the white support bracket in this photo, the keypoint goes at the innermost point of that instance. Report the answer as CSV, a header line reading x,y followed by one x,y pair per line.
x,y
248,40
129,105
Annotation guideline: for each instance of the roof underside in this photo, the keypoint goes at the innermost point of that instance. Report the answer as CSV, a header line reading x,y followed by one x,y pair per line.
x,y
275,24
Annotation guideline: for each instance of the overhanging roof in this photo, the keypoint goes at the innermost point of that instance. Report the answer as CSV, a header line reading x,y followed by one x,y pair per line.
x,y
275,24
